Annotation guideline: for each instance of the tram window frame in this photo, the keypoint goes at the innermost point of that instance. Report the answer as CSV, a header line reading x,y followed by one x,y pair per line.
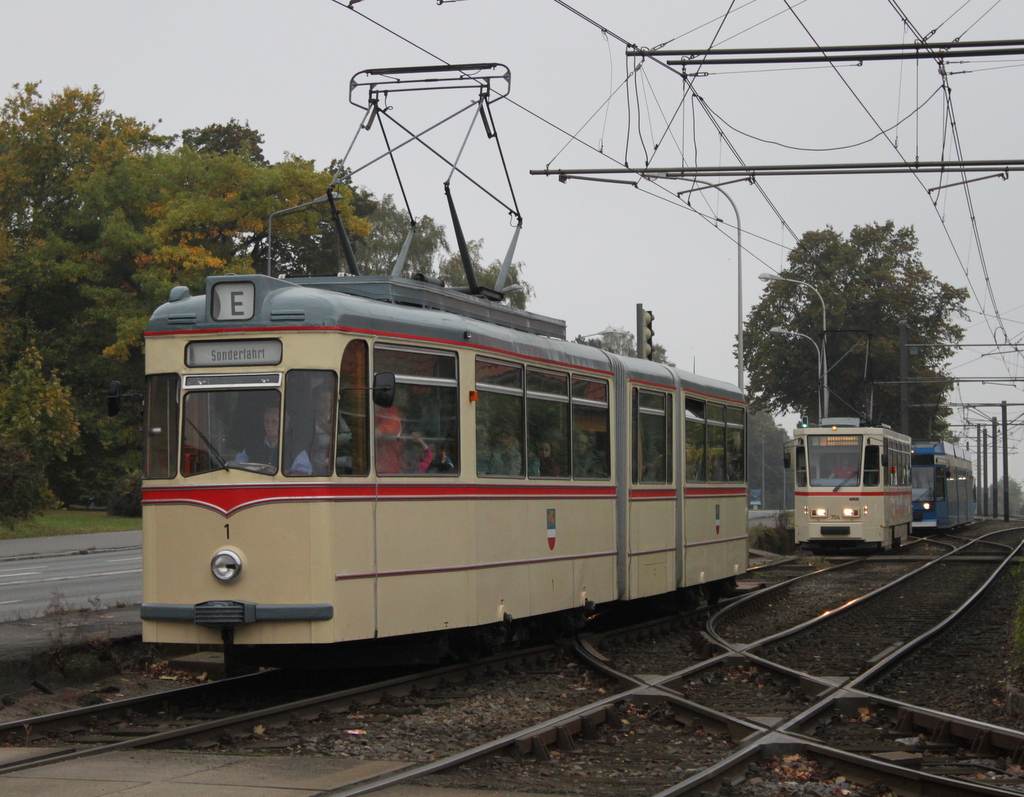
x,y
800,471
219,422
352,451
872,469
548,418
716,445
695,430
306,444
735,437
160,422
651,437
426,384
500,415
590,429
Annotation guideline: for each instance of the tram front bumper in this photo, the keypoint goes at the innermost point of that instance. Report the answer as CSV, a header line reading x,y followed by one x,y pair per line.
x,y
227,614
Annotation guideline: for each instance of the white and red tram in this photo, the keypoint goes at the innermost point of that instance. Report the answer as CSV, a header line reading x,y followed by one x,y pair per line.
x,y
330,461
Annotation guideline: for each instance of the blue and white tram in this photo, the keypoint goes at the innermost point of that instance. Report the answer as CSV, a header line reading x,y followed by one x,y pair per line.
x,y
332,463
943,486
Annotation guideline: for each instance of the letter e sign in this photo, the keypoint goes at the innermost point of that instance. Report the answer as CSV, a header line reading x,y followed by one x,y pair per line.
x,y
233,301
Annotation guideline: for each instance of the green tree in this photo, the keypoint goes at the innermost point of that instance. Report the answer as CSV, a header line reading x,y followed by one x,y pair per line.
x,y
870,281
99,211
622,342
378,251
38,427
233,138
453,273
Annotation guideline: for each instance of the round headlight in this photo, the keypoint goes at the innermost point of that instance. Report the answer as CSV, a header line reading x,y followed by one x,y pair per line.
x,y
927,505
226,565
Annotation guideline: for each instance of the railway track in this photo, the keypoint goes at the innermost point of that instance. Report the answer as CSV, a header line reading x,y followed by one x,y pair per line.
x,y
651,714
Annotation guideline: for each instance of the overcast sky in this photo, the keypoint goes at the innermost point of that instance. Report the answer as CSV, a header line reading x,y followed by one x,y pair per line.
x,y
594,250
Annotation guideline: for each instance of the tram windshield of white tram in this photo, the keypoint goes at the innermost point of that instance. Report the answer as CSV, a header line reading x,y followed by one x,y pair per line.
x,y
834,460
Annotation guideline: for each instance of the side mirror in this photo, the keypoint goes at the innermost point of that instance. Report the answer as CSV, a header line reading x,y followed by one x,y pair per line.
x,y
114,396
885,460
787,462
384,389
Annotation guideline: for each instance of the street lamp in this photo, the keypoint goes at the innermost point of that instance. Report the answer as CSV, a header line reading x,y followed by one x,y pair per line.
x,y
789,333
822,352
739,275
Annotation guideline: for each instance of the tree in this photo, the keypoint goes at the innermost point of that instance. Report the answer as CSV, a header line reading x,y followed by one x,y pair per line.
x,y
454,273
870,281
99,211
234,138
38,427
378,251
622,342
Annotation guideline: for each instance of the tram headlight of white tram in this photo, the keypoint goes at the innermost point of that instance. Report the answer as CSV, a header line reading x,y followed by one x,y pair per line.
x,y
226,566
819,513
851,512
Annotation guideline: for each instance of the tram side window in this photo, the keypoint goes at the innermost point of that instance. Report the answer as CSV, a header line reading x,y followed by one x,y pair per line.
x,y
696,443
160,441
940,482
353,452
652,437
591,450
734,463
419,434
872,466
801,466
547,424
499,419
309,428
716,443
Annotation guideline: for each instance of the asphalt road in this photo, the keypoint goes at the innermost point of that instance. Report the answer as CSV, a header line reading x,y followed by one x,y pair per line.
x,y
73,572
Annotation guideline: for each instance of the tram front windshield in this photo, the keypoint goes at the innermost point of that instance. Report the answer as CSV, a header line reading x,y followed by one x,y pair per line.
x,y
923,483
834,460
231,429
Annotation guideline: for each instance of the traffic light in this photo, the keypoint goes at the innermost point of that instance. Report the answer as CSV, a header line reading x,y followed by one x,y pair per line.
x,y
644,333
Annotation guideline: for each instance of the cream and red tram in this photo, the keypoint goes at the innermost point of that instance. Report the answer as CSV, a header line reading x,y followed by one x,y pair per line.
x,y
338,460
852,486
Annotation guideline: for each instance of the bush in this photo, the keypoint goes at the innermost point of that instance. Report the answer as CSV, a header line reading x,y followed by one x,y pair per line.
x,y
125,499
24,490
774,539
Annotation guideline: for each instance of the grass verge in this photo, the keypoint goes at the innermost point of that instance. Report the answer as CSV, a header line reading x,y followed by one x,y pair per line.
x,y
59,522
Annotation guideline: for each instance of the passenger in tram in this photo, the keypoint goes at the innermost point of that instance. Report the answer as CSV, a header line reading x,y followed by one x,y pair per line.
x,y
443,463
507,459
266,450
387,442
417,454
844,468
543,463
316,458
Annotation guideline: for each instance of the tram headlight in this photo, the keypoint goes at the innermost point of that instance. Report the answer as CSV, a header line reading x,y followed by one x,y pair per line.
x,y
819,513
926,505
849,511
226,566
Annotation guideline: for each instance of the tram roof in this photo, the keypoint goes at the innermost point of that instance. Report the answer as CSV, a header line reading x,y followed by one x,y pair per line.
x,y
413,310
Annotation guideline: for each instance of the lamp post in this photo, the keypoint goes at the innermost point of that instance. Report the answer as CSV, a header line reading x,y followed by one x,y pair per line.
x,y
739,276
822,352
789,333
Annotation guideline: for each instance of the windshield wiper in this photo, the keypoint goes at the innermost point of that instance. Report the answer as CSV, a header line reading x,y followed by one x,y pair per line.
x,y
844,482
209,445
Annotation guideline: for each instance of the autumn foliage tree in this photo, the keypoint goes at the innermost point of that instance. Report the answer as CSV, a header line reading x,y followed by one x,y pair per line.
x,y
99,218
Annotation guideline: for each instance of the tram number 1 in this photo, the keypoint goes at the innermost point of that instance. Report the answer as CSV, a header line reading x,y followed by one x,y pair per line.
x,y
227,530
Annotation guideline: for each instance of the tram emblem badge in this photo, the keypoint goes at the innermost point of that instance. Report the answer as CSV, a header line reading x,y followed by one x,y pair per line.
x,y
551,529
